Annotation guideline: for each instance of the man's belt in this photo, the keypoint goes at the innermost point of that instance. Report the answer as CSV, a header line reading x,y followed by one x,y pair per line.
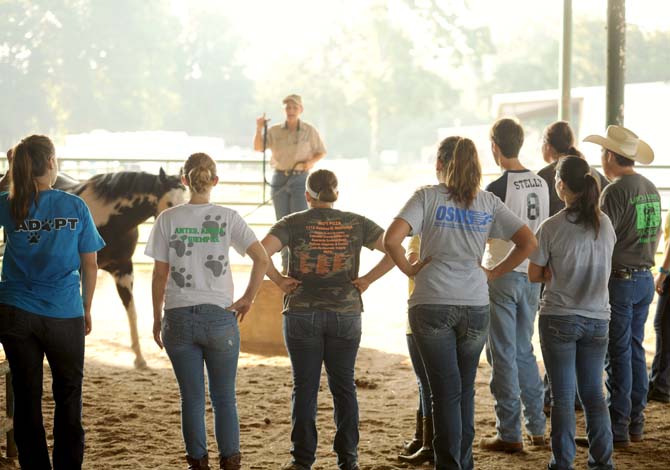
x,y
627,273
291,172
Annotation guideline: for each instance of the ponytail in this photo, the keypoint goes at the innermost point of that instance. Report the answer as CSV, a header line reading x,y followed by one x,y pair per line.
x,y
576,175
29,161
200,172
322,186
464,173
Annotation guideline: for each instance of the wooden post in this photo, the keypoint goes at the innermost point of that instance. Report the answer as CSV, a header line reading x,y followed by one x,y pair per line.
x,y
565,106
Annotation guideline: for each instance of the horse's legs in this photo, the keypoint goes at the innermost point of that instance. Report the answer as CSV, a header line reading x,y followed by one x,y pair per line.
x,y
124,277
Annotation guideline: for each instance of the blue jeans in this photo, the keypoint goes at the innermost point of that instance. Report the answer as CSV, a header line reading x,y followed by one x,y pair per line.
x,y
288,196
205,336
425,408
576,345
627,380
515,378
312,339
450,339
26,339
659,379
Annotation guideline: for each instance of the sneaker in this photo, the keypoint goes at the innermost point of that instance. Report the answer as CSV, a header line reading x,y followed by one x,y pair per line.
x,y
655,395
495,444
636,437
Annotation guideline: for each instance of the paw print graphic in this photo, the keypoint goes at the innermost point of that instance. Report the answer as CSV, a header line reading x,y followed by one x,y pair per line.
x,y
180,278
47,225
180,246
217,266
213,226
33,238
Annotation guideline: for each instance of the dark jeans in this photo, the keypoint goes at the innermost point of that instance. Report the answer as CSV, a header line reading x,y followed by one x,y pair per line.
x,y
425,408
450,339
627,380
659,380
312,339
27,338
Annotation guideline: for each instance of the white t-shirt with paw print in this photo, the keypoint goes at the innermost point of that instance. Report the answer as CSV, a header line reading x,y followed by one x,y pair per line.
x,y
194,239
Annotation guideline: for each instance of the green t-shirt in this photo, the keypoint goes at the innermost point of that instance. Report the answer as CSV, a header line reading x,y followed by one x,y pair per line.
x,y
324,254
633,204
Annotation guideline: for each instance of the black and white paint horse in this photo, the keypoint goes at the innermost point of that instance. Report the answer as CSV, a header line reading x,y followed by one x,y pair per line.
x,y
119,202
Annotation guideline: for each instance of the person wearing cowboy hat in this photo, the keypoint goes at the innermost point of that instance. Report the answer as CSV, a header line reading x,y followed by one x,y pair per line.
x,y
634,205
296,146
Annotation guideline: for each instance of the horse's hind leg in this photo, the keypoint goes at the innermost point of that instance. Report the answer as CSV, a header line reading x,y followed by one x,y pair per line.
x,y
124,277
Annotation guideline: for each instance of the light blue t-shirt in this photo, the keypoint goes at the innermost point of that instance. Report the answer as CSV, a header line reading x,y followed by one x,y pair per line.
x,y
40,269
455,237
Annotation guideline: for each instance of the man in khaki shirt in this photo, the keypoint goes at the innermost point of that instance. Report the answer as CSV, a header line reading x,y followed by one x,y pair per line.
x,y
296,146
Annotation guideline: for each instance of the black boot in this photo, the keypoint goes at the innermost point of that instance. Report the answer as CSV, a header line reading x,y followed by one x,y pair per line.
x,y
198,464
425,453
410,447
232,462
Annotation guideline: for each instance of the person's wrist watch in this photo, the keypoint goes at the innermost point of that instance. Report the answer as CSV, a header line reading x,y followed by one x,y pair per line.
x,y
662,270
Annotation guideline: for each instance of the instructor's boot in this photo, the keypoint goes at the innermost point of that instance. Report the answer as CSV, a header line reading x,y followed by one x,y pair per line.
x,y
198,464
425,453
410,447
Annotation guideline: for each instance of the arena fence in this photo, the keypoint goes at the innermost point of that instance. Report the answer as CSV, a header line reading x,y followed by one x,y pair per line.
x,y
245,192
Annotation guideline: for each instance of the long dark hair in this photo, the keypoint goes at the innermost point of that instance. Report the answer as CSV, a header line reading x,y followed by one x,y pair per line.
x,y
576,175
560,137
464,173
30,160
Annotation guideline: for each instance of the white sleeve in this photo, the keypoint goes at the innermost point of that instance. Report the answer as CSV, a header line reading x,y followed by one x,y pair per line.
x,y
158,246
241,235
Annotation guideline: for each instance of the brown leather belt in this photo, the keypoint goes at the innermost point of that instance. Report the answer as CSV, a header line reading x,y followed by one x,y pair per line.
x,y
627,273
291,172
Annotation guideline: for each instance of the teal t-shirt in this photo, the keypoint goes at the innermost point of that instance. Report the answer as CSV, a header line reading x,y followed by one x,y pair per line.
x,y
40,268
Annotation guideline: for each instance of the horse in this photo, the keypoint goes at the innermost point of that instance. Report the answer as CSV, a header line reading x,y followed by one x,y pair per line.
x,y
119,202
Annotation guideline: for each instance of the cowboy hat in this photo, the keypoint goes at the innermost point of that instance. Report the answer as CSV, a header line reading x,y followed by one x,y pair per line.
x,y
625,143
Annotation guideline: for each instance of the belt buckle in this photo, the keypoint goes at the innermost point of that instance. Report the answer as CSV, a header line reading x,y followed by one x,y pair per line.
x,y
622,274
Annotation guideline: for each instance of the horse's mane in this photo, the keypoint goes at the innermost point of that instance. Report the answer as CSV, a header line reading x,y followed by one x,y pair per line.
x,y
112,186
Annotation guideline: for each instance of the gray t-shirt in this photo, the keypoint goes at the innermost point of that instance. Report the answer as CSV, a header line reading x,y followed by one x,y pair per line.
x,y
633,204
580,265
455,237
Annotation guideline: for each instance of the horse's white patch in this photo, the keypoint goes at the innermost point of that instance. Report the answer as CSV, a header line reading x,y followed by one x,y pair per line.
x,y
172,198
102,210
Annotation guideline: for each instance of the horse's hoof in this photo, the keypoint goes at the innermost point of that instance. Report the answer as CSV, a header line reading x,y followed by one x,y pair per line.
x,y
140,363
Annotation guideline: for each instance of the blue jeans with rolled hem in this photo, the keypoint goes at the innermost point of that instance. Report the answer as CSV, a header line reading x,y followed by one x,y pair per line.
x,y
425,407
659,378
450,339
196,337
627,380
515,378
288,196
26,338
576,346
313,339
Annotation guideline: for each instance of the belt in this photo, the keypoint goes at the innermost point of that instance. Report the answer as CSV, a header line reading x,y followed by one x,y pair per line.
x,y
627,273
291,172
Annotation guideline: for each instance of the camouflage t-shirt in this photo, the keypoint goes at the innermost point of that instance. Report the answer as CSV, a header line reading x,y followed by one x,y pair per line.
x,y
324,254
633,204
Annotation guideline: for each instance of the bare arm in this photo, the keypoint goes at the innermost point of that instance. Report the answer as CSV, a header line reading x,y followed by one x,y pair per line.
x,y
525,243
258,137
309,164
159,280
382,267
272,245
537,273
260,265
393,238
89,276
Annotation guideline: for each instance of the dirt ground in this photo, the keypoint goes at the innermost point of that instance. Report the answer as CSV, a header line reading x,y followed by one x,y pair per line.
x,y
132,417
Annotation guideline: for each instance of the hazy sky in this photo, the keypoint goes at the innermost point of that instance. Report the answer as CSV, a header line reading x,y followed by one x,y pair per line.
x,y
290,29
